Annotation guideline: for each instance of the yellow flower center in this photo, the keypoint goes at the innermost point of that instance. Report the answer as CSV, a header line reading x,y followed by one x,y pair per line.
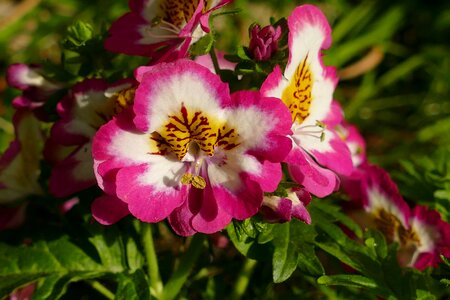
x,y
196,132
179,12
194,128
297,95
388,224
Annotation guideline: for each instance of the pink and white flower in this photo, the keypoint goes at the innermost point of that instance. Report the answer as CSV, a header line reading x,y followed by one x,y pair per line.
x,y
276,209
427,239
36,88
351,183
20,169
306,88
421,233
88,105
19,165
161,29
383,201
189,151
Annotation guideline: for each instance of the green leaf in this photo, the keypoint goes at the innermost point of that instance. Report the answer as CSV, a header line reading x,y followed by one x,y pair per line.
x,y
58,261
187,262
78,34
202,46
293,246
133,286
339,216
308,262
424,295
108,243
445,281
241,52
347,280
245,237
134,256
334,249
285,256
376,241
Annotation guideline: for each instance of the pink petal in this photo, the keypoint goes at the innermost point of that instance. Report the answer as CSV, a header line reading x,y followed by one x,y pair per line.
x,y
304,170
146,202
108,210
242,203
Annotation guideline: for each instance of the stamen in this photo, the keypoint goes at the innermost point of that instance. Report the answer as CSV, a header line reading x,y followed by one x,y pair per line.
x,y
163,25
196,181
318,130
170,25
321,124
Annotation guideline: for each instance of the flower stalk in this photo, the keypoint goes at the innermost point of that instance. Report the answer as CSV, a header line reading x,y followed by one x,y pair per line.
x,y
179,277
156,285
101,289
243,279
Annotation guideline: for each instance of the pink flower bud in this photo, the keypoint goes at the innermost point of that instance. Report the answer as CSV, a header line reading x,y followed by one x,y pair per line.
x,y
264,42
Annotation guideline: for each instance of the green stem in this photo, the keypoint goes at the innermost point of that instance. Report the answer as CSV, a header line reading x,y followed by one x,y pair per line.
x,y
187,262
101,289
156,285
214,60
243,279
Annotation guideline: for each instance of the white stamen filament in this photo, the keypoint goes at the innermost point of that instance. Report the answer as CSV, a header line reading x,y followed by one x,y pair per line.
x,y
317,133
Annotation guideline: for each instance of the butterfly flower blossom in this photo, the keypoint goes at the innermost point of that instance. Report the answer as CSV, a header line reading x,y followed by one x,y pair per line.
x,y
36,88
20,169
88,105
421,233
306,88
198,156
162,30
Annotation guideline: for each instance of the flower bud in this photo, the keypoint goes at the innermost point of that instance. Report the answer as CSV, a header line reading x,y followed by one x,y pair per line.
x,y
264,42
277,209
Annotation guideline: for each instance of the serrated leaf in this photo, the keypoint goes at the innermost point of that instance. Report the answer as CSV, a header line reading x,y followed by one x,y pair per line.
x,y
240,240
109,246
46,288
58,258
133,286
247,245
135,259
